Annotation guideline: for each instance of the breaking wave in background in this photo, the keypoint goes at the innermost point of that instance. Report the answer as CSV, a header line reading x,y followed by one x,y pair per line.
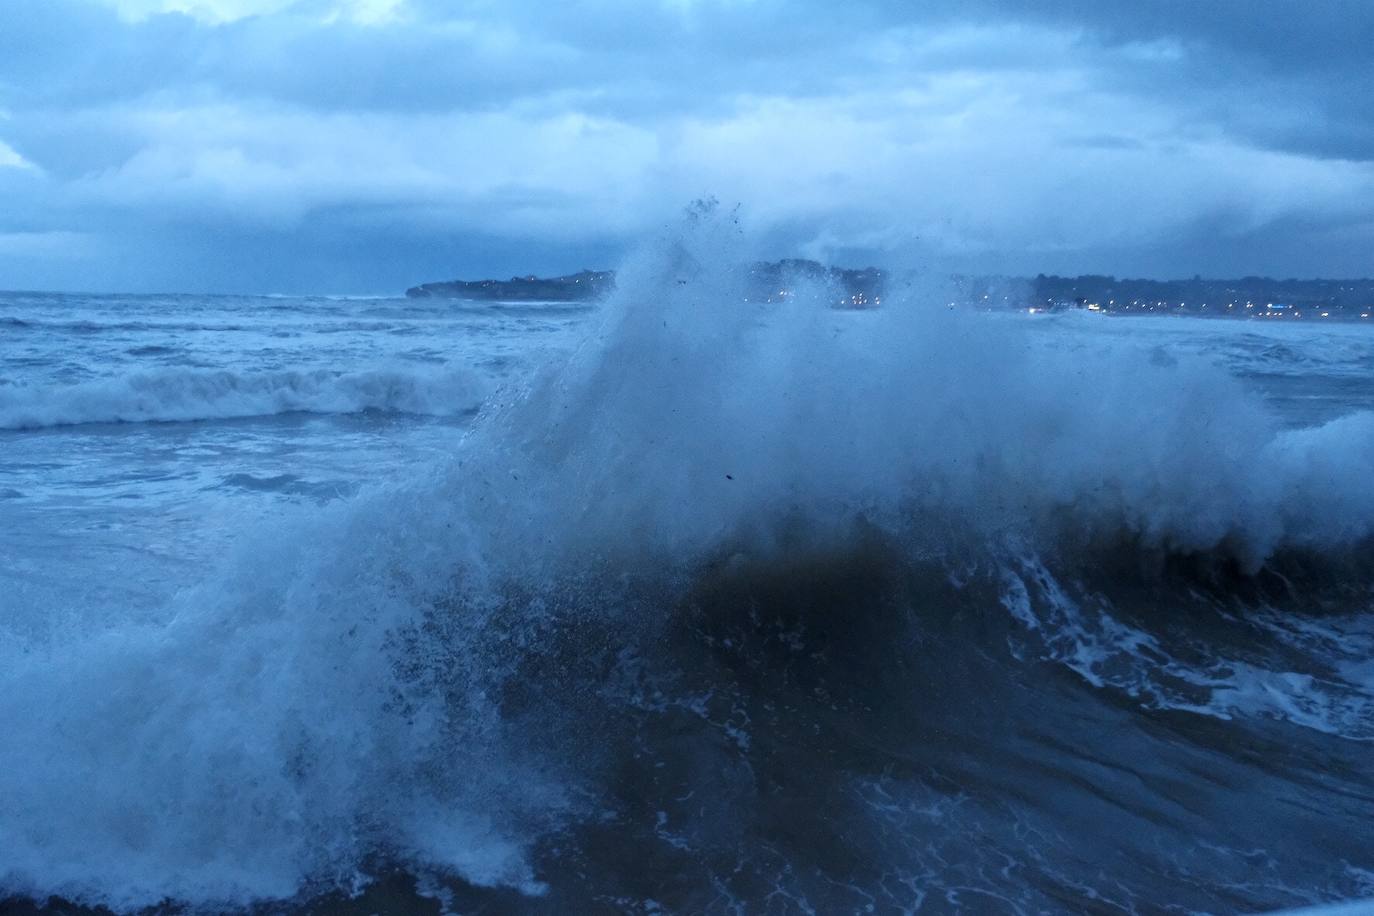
x,y
741,605
182,395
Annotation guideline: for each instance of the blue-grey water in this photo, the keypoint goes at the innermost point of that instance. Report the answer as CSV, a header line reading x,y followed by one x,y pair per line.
x,y
143,434
673,604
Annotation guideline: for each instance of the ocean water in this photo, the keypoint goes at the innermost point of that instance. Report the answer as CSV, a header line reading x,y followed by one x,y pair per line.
x,y
678,603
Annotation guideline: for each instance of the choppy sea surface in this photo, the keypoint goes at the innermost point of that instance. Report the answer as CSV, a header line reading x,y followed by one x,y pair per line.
x,y
679,603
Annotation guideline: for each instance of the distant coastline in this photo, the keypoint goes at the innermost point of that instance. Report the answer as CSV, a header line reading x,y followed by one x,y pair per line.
x,y
579,287
1246,297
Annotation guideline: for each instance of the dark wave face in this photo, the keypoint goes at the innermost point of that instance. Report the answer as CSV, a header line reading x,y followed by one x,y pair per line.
x,y
837,729
753,607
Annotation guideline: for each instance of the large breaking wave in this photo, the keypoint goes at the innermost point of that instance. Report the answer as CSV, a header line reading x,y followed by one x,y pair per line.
x,y
723,607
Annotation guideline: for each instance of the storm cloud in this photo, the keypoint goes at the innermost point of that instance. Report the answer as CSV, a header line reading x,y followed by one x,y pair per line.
x,y
364,145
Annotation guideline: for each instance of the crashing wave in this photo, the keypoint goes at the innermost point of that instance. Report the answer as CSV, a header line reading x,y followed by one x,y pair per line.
x,y
735,590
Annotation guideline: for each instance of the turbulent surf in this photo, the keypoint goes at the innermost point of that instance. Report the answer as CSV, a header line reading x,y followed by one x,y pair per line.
x,y
716,605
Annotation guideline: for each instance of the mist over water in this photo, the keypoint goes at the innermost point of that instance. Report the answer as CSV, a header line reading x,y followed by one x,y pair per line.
x,y
683,603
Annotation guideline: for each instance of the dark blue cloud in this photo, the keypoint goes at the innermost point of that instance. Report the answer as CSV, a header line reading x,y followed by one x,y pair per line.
x,y
310,147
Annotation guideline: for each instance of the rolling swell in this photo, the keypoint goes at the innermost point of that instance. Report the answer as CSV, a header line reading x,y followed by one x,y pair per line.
x,y
747,607
182,395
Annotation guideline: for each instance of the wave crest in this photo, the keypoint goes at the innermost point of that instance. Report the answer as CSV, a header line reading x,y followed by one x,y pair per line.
x,y
181,395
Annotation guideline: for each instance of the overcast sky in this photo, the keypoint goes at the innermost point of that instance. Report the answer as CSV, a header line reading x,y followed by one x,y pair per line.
x,y
365,145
